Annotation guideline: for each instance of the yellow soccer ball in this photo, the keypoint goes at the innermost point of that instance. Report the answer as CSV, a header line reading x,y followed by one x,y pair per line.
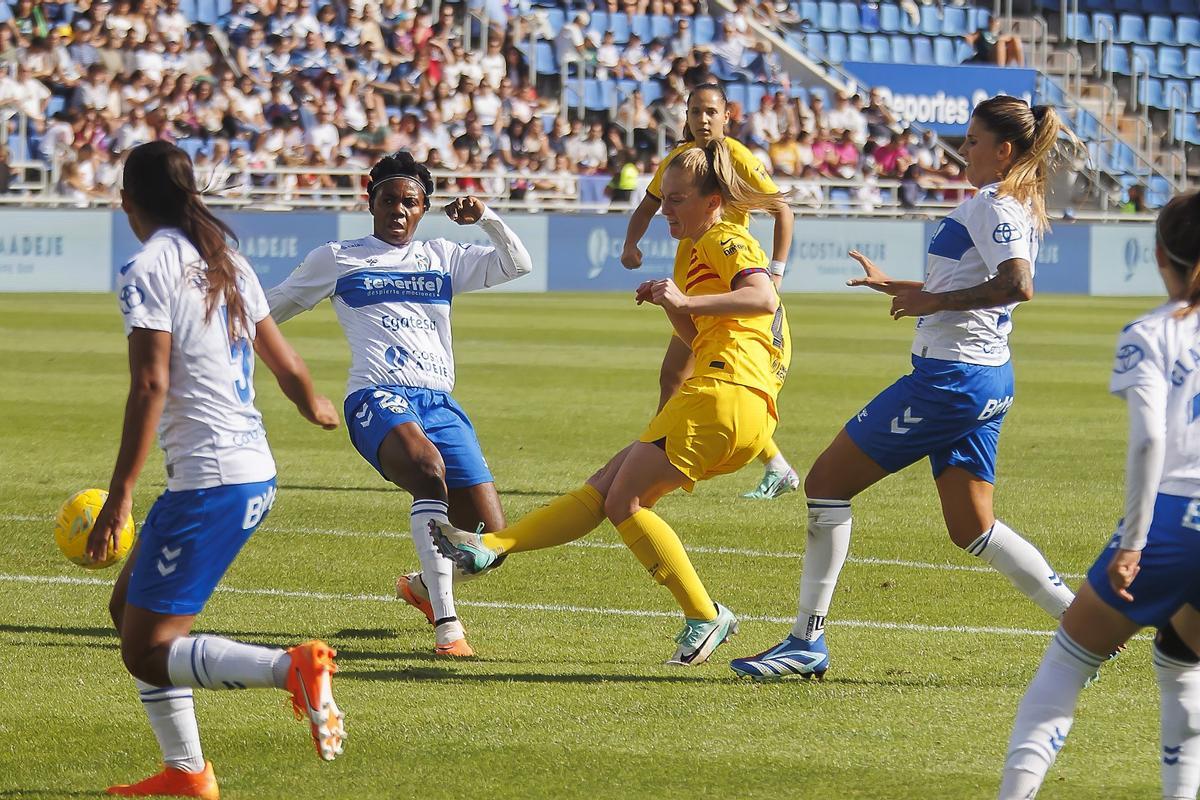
x,y
74,524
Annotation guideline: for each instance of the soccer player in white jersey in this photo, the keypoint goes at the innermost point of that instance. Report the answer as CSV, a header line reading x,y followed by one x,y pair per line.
x,y
392,296
950,408
1150,572
194,316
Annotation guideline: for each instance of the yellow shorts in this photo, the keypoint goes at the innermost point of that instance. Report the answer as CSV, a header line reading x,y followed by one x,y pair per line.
x,y
711,427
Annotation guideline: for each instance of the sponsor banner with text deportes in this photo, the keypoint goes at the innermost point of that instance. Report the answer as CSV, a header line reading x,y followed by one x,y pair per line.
x,y
940,98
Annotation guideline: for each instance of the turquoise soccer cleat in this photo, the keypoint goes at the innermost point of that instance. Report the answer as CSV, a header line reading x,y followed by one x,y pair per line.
x,y
775,484
464,548
700,637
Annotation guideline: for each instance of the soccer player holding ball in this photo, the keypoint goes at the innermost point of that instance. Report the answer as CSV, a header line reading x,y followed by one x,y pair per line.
x,y
392,293
707,118
950,408
726,310
1148,574
195,315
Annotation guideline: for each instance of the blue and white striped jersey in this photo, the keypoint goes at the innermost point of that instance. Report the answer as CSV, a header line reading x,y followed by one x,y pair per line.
x,y
966,250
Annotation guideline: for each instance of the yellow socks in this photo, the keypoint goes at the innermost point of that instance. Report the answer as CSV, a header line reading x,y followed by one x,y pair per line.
x,y
564,519
660,551
769,451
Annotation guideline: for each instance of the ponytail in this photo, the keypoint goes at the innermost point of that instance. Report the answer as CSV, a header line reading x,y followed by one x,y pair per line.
x,y
158,180
712,172
1034,134
1177,231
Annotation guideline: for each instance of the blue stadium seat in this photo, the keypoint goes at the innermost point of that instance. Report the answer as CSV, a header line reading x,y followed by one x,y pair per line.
x,y
1116,59
835,48
206,11
619,25
224,8
1187,128
1192,64
1170,62
848,17
1102,23
555,18
55,104
625,87
902,50
944,54
1158,192
1131,29
828,17
978,18
1150,93
821,92
1187,30
1127,6
889,18
641,26
954,21
810,11
1079,26
868,21
963,50
1144,57
598,23
931,24
1182,7
1196,95
799,93
738,93
1050,93
188,9
1086,126
859,48
922,50
907,25
1175,91
1161,30
881,49
816,45
754,95
546,63
704,30
1155,7
661,26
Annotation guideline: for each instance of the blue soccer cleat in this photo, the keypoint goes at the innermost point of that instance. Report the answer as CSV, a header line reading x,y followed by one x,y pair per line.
x,y
792,656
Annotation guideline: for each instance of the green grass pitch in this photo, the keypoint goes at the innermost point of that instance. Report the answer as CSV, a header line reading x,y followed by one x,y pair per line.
x,y
569,697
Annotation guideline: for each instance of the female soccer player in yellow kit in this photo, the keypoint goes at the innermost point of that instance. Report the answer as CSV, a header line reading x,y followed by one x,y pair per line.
x,y
707,118
725,309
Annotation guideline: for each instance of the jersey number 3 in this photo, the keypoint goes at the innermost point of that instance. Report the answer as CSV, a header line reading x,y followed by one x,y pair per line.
x,y
241,358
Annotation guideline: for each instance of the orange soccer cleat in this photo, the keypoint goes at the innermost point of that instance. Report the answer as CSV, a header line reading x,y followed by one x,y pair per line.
x,y
310,682
406,592
173,782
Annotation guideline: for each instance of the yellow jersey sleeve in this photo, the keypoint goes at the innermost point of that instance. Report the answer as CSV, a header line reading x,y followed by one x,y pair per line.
x,y
749,168
731,254
655,187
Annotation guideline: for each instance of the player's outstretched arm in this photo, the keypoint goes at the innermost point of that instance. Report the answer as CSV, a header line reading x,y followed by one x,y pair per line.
x,y
149,377
1012,283
507,259
292,374
875,278
310,283
639,223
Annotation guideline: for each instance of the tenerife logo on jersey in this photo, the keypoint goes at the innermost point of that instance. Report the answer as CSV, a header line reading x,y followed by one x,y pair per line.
x,y
359,289
131,297
1128,357
1005,233
396,356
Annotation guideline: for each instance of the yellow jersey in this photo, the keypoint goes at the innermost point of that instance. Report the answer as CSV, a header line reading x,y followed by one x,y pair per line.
x,y
753,351
745,164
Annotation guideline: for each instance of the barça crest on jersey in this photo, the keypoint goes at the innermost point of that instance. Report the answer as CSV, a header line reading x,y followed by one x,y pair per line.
x,y
1128,357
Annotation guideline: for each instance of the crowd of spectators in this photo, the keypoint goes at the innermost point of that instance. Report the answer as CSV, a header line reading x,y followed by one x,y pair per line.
x,y
309,85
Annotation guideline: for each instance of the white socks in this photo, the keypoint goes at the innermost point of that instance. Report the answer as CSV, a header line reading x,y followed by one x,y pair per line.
x,y
210,662
824,554
1045,715
173,720
778,463
437,571
1025,566
1179,690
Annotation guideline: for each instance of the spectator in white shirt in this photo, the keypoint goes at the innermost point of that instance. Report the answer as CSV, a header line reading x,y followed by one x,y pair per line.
x,y
134,131
486,104
171,23
572,45
493,65
28,95
845,117
590,153
764,123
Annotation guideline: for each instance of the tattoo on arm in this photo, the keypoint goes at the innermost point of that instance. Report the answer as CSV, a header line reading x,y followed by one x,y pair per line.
x,y
1013,284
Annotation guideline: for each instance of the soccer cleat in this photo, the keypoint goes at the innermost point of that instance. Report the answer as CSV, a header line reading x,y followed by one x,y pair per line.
x,y
406,592
775,484
464,548
310,682
173,782
452,640
700,637
792,656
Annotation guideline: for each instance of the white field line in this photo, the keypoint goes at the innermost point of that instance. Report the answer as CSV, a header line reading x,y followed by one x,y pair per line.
x,y
66,580
725,551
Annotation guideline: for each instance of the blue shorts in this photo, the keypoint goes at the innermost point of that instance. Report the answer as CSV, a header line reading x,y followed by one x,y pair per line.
x,y
188,541
1170,566
946,410
372,413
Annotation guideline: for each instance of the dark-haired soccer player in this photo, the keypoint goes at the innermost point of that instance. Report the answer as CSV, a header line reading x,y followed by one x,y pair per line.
x,y
392,296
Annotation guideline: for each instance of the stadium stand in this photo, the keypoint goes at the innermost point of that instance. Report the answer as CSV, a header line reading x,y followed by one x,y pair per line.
x,y
290,99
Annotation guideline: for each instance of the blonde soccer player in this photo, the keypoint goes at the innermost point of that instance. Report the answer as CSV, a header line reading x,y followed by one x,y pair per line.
x,y
195,317
726,310
707,119
1148,573
950,408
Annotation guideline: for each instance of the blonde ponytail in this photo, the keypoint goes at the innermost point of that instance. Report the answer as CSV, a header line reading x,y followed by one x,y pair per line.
x,y
1035,135
711,170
